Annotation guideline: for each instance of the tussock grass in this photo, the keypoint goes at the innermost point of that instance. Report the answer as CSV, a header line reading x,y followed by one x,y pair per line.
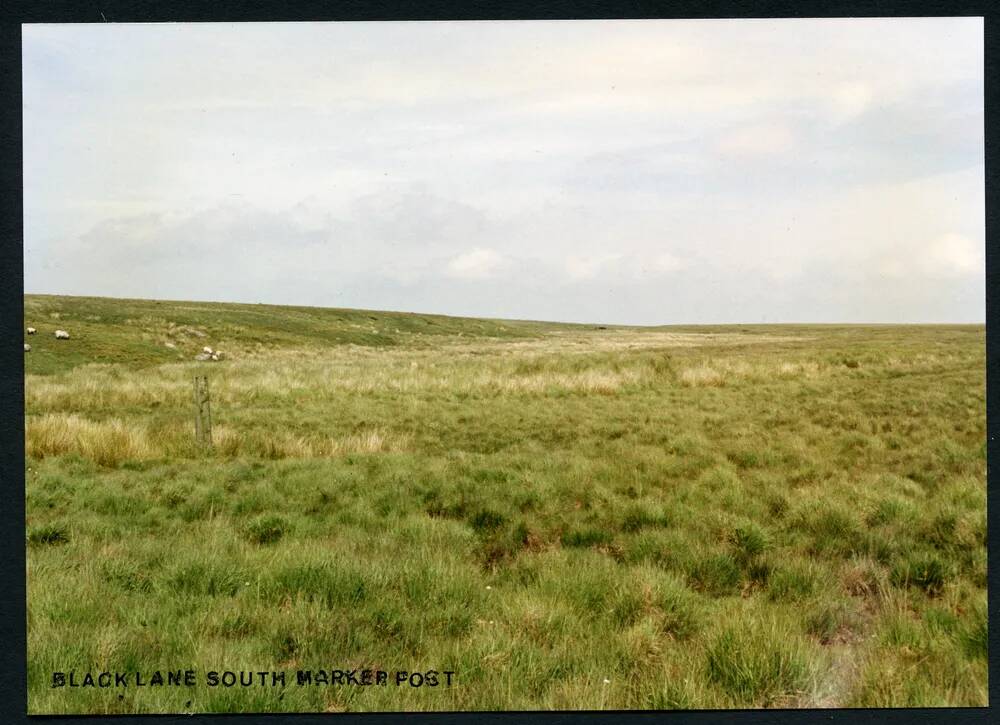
x,y
703,375
760,663
111,443
48,534
107,443
567,517
724,370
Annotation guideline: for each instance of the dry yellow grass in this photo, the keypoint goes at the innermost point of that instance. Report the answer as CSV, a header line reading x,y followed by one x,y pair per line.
x,y
106,442
703,375
105,386
110,442
716,373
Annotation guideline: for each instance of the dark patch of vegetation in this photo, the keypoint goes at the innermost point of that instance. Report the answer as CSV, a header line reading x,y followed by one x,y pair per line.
x,y
717,575
586,537
486,520
927,572
48,534
266,529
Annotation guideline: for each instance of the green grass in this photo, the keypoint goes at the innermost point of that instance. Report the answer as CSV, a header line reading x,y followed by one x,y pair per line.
x,y
565,516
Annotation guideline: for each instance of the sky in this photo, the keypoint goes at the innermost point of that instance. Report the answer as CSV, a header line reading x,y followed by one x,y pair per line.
x,y
624,172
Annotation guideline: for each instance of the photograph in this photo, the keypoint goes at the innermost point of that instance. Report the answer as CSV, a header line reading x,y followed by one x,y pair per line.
x,y
461,366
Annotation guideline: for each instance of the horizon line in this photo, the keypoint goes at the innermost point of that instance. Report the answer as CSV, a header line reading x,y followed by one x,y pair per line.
x,y
508,319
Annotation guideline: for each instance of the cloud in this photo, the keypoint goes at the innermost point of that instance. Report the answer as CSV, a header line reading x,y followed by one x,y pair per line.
x,y
476,264
666,262
758,140
850,100
954,254
622,269
589,267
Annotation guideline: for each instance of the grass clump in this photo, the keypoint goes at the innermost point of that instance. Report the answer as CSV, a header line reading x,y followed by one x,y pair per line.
x,y
639,516
748,541
334,586
864,578
792,583
205,578
758,663
681,612
486,520
833,530
940,532
108,443
830,620
128,576
975,637
717,575
48,534
586,536
887,511
927,572
266,529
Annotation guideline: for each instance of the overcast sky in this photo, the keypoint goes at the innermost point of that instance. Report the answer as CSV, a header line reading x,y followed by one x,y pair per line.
x,y
645,172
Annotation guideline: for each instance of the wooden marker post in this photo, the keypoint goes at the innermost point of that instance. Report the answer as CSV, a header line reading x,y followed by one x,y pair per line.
x,y
202,411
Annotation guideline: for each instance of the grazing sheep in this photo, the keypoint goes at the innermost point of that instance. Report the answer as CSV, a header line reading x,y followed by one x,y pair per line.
x,y
62,335
31,330
27,347
207,350
215,356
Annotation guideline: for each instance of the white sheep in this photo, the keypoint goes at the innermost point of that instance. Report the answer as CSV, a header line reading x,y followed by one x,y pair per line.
x,y
207,350
62,335
27,347
31,330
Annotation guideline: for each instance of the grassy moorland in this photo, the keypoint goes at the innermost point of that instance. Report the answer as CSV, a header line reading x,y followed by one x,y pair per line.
x,y
565,516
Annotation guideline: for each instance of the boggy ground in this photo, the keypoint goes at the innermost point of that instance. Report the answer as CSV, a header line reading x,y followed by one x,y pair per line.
x,y
564,516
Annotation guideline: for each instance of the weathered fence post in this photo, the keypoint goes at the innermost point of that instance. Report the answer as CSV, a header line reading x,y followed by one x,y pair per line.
x,y
202,411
